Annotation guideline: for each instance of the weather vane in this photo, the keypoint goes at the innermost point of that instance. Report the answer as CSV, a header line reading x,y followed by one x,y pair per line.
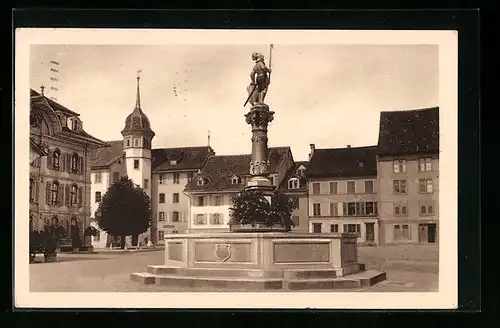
x,y
139,70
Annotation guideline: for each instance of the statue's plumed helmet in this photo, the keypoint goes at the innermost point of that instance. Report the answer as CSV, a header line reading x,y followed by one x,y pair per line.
x,y
257,56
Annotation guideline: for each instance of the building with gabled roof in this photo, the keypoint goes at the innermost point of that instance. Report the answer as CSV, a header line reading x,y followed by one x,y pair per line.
x,y
408,175
295,185
343,191
211,190
59,190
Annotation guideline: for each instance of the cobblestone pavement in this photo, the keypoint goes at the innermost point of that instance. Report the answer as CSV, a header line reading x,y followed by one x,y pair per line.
x,y
107,272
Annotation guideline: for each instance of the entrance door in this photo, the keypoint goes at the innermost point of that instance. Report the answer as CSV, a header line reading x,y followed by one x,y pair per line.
x,y
431,235
423,234
370,232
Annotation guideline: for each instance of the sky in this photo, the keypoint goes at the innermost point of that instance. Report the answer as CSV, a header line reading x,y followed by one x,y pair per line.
x,y
327,95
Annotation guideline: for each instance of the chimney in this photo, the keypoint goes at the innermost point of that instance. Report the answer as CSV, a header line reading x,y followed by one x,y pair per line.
x,y
348,146
313,147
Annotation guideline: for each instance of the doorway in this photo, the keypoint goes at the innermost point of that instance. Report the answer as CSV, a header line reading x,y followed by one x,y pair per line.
x,y
370,232
427,233
431,233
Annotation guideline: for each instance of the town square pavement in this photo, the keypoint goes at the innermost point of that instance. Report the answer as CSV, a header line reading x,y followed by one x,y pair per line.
x,y
408,268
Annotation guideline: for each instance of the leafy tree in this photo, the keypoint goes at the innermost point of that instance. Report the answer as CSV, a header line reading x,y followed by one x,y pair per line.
x,y
124,210
251,207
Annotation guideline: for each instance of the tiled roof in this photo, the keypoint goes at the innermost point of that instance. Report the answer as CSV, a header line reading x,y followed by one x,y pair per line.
x,y
186,158
56,106
220,169
343,162
409,132
104,157
292,173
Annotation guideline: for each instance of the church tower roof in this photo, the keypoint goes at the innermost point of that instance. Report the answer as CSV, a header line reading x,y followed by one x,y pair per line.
x,y
137,121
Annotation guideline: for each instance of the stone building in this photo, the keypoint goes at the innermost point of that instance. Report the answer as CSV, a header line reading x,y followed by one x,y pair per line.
x,y
211,191
408,175
295,185
343,191
59,191
162,173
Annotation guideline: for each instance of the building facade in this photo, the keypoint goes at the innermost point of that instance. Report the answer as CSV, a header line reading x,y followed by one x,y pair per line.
x,y
211,191
295,185
162,173
343,192
59,192
408,175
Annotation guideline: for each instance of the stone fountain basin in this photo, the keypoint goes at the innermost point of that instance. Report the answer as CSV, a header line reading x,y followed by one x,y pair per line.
x,y
271,260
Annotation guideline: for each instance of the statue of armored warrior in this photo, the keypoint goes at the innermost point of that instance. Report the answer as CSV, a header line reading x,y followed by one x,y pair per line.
x,y
259,78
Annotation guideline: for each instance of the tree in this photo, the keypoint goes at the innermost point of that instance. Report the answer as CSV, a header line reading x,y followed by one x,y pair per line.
x,y
251,207
124,210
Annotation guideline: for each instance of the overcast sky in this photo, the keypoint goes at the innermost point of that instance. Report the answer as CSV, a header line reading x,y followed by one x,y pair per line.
x,y
329,95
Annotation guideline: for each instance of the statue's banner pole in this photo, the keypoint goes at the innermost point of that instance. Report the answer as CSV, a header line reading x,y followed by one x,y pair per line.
x,y
270,59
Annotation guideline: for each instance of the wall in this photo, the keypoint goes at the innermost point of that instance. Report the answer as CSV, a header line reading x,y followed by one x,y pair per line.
x,y
209,209
413,198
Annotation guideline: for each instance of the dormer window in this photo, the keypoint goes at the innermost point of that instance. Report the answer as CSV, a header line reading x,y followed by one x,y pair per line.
x,y
235,179
173,162
200,182
293,183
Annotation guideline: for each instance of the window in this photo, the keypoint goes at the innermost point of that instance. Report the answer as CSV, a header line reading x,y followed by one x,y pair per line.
x,y
334,188
400,209
74,163
399,186
397,232
301,172
371,208
401,232
190,176
136,164
161,235
32,190
425,164
296,203
97,237
334,228
74,124
399,166
360,208
293,183
405,231
425,185
200,219
274,180
175,216
316,227
146,183
351,208
316,188
97,177
351,187
316,209
426,209
295,220
54,191
128,143
173,162
116,176
175,198
235,180
160,178
200,201
369,187
200,182
136,142
56,158
353,228
334,210
218,201
176,178
161,198
97,196
74,195
161,216
216,219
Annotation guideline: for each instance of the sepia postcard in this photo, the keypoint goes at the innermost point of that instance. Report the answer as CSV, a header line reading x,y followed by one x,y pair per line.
x,y
236,169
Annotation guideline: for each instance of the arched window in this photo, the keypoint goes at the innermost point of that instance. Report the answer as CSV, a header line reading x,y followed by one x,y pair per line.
x,y
235,180
56,158
74,195
54,221
54,193
32,190
74,163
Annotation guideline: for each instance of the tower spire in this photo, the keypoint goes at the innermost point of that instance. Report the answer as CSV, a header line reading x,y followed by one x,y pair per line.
x,y
138,97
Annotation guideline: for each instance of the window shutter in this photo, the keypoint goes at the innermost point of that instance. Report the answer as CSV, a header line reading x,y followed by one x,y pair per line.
x,y
67,159
80,165
204,219
211,218
59,194
49,159
221,218
47,193
67,195
169,217
63,164
79,191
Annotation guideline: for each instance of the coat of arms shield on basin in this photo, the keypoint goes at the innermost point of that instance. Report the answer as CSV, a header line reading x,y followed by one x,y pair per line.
x,y
223,252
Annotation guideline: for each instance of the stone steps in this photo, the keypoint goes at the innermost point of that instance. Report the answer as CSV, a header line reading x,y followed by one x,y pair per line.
x,y
353,281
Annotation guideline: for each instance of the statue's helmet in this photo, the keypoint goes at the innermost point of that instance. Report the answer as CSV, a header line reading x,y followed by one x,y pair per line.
x,y
257,56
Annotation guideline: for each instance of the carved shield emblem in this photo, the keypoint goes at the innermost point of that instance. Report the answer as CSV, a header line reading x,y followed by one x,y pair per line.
x,y
223,252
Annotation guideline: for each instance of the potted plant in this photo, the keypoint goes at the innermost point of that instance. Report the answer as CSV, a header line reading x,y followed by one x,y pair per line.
x,y
252,212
